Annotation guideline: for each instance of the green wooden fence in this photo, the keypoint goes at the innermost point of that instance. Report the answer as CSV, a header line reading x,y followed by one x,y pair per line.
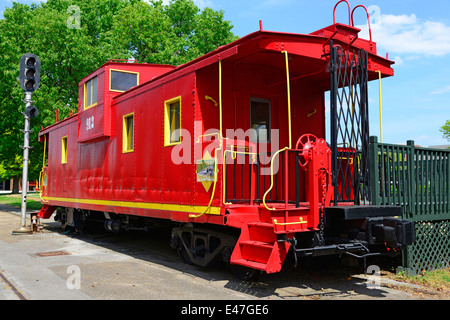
x,y
418,180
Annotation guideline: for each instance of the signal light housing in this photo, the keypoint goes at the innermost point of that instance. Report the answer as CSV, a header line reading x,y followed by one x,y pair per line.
x,y
31,112
30,67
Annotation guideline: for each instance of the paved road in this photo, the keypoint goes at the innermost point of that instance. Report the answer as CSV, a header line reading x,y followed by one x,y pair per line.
x,y
53,265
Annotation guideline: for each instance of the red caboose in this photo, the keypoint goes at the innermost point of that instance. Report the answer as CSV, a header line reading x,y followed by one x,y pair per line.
x,y
233,146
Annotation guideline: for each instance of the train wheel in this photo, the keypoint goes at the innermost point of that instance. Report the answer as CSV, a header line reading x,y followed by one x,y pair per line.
x,y
201,246
79,220
184,255
182,251
245,273
65,218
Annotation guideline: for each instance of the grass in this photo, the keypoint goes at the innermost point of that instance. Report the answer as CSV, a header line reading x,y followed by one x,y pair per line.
x,y
15,200
435,279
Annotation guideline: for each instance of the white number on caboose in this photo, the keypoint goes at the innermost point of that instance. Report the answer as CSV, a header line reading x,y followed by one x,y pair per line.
x,y
90,123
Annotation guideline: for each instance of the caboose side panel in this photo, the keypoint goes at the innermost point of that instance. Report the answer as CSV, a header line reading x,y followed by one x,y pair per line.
x,y
148,113
93,177
177,102
62,159
163,173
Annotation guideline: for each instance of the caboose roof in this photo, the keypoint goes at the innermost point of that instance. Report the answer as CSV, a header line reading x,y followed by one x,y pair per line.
x,y
155,69
310,49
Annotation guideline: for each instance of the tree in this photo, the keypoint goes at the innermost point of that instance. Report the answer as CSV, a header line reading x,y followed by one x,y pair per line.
x,y
105,29
66,55
445,129
172,34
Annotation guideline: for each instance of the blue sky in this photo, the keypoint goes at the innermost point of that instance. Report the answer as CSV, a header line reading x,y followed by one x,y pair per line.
x,y
415,33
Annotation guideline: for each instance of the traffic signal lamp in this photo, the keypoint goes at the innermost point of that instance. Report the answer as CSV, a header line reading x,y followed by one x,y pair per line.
x,y
31,111
30,67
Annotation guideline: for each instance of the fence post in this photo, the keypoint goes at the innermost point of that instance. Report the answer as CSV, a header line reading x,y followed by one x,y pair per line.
x,y
374,174
447,187
412,188
410,210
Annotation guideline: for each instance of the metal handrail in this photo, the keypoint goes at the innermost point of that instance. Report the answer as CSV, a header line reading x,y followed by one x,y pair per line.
x,y
381,105
271,178
349,10
368,19
301,221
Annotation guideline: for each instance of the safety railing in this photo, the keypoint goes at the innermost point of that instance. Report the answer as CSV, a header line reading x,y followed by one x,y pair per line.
x,y
418,179
257,178
239,170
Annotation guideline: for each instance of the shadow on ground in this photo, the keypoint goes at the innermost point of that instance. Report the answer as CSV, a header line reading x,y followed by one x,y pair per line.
x,y
313,278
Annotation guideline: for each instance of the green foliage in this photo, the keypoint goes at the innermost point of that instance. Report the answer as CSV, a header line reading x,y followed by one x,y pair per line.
x,y
172,34
445,129
3,173
108,29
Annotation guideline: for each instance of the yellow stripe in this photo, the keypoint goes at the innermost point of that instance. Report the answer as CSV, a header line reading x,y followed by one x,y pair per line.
x,y
141,205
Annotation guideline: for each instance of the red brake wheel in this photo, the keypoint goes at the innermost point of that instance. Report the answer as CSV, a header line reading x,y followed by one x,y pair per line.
x,y
304,144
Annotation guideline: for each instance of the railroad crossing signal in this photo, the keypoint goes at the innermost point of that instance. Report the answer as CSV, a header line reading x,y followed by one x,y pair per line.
x,y
30,67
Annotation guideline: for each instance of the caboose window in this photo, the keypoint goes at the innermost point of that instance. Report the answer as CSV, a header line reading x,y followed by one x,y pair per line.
x,y
64,150
172,121
122,80
128,133
260,120
90,93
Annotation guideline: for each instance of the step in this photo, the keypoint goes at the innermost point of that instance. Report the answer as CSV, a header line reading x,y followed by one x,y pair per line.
x,y
257,251
262,232
260,244
250,264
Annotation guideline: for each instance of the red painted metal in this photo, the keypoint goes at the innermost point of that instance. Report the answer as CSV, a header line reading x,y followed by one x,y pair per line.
x,y
148,181
349,14
368,19
46,211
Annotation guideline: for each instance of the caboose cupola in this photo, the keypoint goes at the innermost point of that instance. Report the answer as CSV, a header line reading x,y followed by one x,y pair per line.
x,y
97,91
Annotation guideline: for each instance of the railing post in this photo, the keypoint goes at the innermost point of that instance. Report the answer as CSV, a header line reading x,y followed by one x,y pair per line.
x,y
297,182
411,178
286,178
412,186
374,174
447,188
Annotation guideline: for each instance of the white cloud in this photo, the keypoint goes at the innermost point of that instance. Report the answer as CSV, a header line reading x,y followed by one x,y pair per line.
x,y
398,60
442,90
408,34
427,140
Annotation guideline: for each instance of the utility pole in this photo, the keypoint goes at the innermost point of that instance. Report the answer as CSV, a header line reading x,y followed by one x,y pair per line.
x,y
29,77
